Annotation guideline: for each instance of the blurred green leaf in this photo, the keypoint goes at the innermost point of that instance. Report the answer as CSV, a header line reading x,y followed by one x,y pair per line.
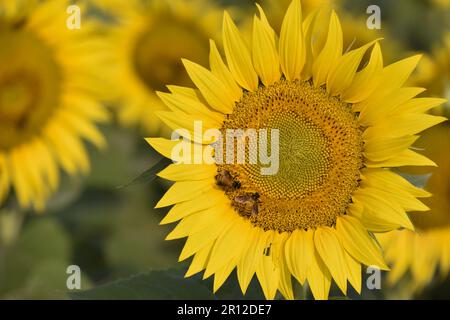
x,y
150,174
120,162
419,180
169,284
42,240
47,281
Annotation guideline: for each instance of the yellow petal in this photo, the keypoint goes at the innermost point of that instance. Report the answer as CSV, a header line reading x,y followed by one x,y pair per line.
x,y
4,178
197,241
265,55
330,53
195,223
247,264
329,247
420,105
184,191
402,125
48,164
69,150
342,74
378,108
353,272
319,278
292,46
366,80
186,124
229,245
212,89
407,200
164,146
358,243
221,71
267,273
200,203
192,172
398,252
199,261
384,148
185,92
238,56
403,159
18,178
279,258
320,30
392,182
189,105
308,28
396,74
222,275
299,253
381,213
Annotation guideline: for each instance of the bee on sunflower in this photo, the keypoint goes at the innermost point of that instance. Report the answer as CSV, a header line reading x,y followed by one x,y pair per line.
x,y
343,127
49,90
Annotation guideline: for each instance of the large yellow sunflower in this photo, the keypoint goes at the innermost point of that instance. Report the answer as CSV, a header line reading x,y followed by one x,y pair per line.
x,y
420,255
341,128
48,84
147,41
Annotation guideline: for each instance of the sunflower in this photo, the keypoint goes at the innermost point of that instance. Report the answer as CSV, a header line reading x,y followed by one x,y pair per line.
x,y
47,99
147,41
342,127
423,253
433,73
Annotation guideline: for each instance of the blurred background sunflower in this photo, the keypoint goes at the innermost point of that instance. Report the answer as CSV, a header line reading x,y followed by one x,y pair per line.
x,y
49,95
147,38
103,221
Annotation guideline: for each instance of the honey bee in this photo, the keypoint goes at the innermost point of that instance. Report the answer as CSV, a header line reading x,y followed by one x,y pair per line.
x,y
225,179
249,203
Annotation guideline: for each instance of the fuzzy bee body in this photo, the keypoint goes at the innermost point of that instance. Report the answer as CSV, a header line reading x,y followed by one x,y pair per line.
x,y
226,180
248,203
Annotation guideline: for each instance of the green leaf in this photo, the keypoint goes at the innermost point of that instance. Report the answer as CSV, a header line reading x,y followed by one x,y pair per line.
x,y
159,285
418,180
150,174
42,240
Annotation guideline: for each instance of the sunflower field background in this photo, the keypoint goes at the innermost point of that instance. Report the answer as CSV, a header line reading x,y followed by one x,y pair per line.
x,y
99,214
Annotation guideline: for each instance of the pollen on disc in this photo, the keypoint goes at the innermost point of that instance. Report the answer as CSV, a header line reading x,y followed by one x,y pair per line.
x,y
319,150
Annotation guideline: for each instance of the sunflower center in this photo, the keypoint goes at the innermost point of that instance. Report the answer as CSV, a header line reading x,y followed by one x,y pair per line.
x,y
158,48
29,80
320,155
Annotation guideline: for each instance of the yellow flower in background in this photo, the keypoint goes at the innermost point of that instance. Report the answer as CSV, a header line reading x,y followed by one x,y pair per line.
x,y
433,73
148,41
342,128
47,88
442,3
12,11
426,252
